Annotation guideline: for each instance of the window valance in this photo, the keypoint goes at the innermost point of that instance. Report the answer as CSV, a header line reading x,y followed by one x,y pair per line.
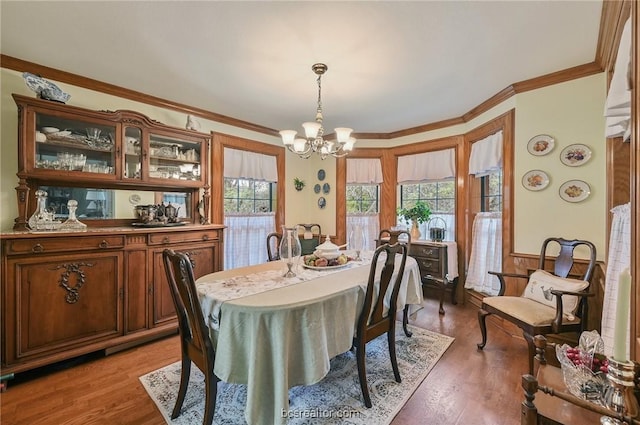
x,y
241,164
486,155
618,105
364,171
436,165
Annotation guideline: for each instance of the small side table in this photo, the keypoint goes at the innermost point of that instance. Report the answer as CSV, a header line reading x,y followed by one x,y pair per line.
x,y
438,262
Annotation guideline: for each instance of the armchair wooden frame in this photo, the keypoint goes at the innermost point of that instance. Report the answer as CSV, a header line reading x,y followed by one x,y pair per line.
x,y
562,266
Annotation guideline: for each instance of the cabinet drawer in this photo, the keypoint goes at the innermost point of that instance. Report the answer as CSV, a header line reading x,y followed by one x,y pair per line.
x,y
425,251
180,237
72,243
429,266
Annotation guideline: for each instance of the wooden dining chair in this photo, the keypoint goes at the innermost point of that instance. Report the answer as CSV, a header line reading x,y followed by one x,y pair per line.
x,y
373,320
551,303
273,246
393,236
195,343
309,245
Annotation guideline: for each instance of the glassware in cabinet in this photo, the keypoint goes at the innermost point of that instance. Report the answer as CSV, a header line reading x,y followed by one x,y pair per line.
x,y
67,144
174,159
132,152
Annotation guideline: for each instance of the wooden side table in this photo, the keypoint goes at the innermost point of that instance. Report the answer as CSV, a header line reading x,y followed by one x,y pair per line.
x,y
438,262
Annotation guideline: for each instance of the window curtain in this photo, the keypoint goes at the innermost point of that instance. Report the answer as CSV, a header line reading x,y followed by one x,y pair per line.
x,y
486,253
246,234
618,105
428,166
245,240
370,224
486,155
619,258
364,171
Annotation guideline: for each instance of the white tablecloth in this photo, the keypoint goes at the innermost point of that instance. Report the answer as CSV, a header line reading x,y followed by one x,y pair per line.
x,y
274,340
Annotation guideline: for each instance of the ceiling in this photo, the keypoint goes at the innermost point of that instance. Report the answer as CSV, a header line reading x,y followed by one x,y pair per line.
x,y
393,65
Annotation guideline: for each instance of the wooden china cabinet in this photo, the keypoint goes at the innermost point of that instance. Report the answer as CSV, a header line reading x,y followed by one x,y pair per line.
x,y
68,293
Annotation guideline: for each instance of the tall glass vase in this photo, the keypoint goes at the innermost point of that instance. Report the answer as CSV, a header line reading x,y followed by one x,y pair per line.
x,y
290,249
356,240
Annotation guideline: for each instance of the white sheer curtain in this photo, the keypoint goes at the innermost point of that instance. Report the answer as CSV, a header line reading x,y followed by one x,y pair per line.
x,y
246,234
619,259
245,240
486,253
364,171
370,223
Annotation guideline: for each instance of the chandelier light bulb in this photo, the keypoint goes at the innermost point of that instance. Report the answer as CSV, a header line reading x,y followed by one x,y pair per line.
x,y
343,134
299,145
288,136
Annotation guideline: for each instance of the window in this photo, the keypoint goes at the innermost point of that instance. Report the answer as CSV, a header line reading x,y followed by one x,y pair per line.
x,y
491,192
441,198
247,196
362,198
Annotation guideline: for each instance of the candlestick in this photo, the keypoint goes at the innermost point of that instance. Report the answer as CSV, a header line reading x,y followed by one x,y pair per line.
x,y
621,330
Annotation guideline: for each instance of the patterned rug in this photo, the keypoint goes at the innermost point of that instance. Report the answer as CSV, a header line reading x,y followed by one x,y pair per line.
x,y
335,400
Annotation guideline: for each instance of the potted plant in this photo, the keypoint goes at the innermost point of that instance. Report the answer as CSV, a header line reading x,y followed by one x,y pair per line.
x,y
419,213
299,184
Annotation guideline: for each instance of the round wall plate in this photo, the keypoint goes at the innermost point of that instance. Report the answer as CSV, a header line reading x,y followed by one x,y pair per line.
x,y
535,180
540,145
316,188
322,202
575,191
321,174
326,188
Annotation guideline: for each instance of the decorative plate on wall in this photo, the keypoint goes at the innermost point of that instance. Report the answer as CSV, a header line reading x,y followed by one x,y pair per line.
x,y
575,155
575,191
541,144
326,188
316,188
322,202
321,174
535,180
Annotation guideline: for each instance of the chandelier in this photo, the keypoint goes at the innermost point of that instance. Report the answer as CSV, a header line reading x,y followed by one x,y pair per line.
x,y
314,132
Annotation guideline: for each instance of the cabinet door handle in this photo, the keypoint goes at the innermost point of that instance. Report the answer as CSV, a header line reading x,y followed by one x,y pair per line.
x,y
166,239
103,244
118,152
37,248
205,237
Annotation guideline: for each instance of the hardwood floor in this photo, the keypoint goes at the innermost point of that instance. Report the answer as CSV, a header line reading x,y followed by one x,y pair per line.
x,y
466,386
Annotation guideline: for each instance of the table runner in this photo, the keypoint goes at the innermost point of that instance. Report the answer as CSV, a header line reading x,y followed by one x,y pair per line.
x,y
233,284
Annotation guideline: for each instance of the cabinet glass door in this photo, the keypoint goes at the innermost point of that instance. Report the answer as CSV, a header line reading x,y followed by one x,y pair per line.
x,y
171,158
132,152
71,145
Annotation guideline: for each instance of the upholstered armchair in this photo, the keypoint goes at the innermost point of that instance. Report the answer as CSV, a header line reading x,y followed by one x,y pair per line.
x,y
551,303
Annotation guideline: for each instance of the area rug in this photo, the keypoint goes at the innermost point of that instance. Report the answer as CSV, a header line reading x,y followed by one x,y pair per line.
x,y
337,399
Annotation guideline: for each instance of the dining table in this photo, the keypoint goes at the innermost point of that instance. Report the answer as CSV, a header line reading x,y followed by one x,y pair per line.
x,y
272,333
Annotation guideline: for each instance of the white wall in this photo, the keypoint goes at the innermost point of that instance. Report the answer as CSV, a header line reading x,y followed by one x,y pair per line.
x,y
571,112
